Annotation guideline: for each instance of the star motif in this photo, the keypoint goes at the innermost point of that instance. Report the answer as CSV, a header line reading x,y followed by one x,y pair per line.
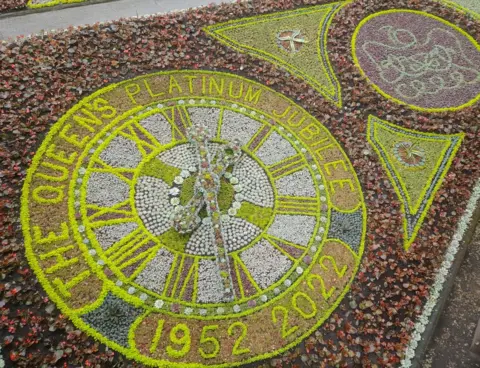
x,y
291,40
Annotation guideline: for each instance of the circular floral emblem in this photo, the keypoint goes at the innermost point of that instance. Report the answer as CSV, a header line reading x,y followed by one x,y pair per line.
x,y
193,219
418,59
409,155
291,41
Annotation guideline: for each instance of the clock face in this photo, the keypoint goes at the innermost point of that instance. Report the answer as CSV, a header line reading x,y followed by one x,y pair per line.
x,y
165,248
272,202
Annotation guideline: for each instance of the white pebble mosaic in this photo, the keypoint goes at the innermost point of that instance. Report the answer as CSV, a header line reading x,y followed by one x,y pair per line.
x,y
153,204
184,156
201,240
110,234
274,149
154,275
255,182
206,116
106,190
237,233
299,183
238,126
181,156
265,263
210,288
158,127
297,229
122,152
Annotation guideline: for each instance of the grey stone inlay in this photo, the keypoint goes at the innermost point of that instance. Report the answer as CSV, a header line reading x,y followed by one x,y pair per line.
x,y
347,227
113,319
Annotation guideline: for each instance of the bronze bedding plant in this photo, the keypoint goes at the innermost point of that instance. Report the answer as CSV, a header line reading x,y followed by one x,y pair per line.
x,y
47,75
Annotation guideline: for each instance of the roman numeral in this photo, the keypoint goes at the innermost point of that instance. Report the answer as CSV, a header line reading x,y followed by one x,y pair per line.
x,y
292,251
123,173
178,117
184,272
287,166
297,205
189,281
246,283
173,275
259,138
101,216
131,253
145,142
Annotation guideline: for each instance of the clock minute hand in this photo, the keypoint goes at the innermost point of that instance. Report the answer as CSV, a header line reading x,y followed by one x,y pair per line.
x,y
186,218
206,191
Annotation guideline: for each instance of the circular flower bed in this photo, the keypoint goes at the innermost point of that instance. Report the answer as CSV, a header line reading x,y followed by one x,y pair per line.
x,y
142,246
433,71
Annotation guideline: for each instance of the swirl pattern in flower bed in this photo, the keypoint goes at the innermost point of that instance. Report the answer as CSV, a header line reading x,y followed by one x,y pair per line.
x,y
104,191
418,59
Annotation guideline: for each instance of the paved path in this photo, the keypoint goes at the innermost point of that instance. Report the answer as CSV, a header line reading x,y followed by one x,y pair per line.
x,y
62,18
453,336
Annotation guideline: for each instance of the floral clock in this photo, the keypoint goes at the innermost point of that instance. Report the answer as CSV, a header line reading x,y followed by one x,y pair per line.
x,y
193,219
